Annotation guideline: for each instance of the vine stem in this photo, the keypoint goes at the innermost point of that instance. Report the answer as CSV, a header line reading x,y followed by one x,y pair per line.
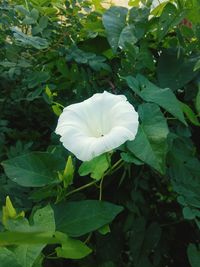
x,y
114,168
81,188
101,188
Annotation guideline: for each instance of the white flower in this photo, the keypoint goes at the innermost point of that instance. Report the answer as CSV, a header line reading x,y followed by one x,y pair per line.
x,y
97,125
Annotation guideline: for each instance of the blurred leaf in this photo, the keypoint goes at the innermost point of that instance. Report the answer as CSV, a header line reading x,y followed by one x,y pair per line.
x,y
193,255
24,39
43,22
104,229
34,14
190,114
188,213
137,238
197,102
197,65
184,169
22,10
7,258
37,78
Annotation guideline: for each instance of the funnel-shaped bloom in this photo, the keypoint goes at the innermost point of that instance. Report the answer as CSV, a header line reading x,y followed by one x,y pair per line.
x,y
97,125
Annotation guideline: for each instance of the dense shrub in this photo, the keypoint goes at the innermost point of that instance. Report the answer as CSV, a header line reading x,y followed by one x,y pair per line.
x,y
136,206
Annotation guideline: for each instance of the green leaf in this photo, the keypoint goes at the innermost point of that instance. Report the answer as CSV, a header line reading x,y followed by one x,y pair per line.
x,y
27,254
24,39
8,258
37,78
104,229
184,171
35,169
175,71
7,64
43,22
193,255
197,102
152,237
56,109
71,248
190,114
130,158
188,213
22,10
34,14
28,20
81,217
149,92
44,220
114,21
150,144
137,238
169,18
96,167
128,35
197,65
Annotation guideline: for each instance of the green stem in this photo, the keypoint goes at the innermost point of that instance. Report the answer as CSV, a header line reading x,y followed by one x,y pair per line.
x,y
81,188
60,105
88,238
111,170
114,168
101,188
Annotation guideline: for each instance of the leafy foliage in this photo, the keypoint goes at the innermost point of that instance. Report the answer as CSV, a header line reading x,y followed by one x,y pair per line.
x,y
136,206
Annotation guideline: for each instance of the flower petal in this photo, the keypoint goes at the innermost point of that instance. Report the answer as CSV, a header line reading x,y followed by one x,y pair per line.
x,y
97,125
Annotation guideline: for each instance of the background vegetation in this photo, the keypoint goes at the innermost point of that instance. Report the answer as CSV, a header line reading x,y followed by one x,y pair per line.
x,y
54,53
